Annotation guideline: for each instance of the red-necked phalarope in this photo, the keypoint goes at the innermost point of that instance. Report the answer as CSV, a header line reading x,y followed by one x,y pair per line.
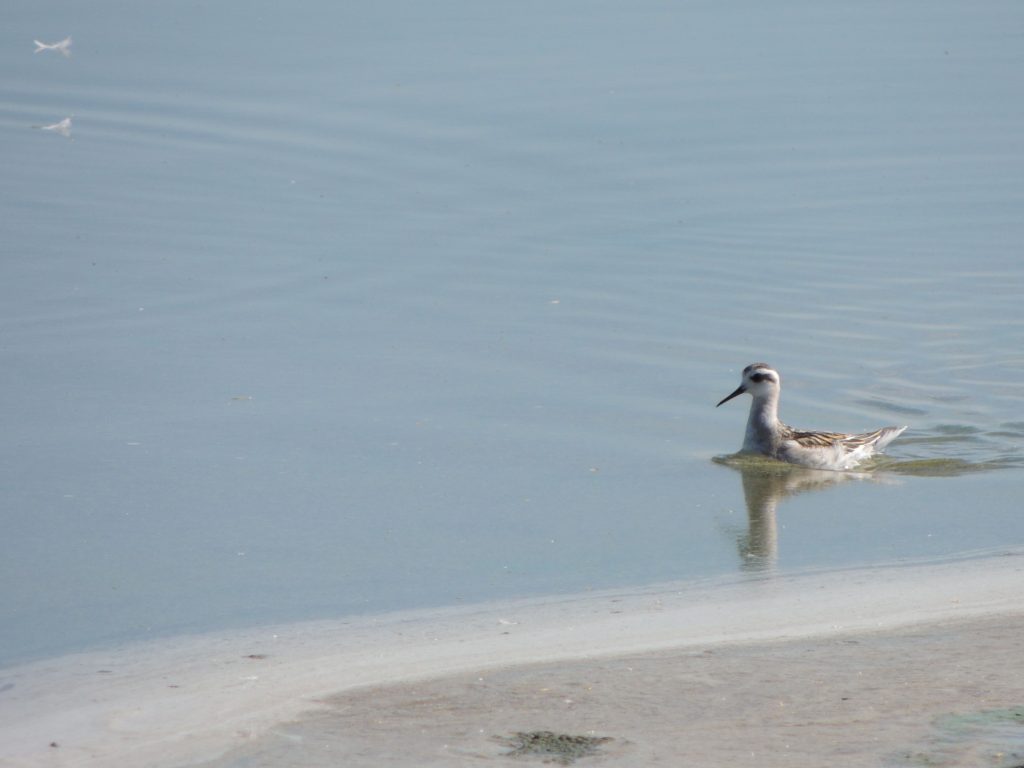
x,y
819,450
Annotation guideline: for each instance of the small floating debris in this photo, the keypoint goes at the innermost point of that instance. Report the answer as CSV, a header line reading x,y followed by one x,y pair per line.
x,y
561,748
63,127
63,47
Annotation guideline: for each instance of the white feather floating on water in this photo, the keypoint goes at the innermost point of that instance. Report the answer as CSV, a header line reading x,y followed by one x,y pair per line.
x,y
64,46
63,127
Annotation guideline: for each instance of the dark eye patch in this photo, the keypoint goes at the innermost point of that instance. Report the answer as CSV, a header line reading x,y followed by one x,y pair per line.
x,y
757,378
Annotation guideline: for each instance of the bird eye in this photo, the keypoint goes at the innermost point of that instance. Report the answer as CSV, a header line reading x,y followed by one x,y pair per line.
x,y
757,378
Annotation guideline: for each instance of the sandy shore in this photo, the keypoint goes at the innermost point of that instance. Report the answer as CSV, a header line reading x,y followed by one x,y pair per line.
x,y
856,667
935,695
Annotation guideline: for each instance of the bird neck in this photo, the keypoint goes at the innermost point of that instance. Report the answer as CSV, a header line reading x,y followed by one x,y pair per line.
x,y
763,421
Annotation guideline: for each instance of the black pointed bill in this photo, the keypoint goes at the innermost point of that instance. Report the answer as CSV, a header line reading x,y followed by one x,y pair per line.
x,y
739,391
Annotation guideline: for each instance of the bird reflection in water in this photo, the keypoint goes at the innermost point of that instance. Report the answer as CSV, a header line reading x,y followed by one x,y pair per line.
x,y
765,483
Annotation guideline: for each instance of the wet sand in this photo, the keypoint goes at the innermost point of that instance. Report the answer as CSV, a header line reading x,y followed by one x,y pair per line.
x,y
855,667
937,695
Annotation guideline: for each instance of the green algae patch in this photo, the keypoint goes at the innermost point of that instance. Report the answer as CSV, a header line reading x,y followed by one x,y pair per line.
x,y
993,738
552,747
943,467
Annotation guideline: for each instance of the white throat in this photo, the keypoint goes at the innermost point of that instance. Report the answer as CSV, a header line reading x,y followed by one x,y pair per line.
x,y
763,424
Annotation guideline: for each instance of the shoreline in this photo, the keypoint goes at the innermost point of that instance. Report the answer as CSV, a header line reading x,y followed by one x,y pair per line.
x,y
938,694
191,700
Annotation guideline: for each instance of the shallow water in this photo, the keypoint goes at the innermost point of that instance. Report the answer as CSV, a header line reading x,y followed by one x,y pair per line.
x,y
362,308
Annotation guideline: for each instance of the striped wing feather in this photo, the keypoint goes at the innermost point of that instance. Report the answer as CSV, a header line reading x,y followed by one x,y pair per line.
x,y
828,439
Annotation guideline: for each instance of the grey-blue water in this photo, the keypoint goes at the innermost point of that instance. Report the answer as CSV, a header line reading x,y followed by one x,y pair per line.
x,y
349,307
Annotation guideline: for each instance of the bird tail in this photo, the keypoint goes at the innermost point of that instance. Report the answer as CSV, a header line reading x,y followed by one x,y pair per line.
x,y
888,434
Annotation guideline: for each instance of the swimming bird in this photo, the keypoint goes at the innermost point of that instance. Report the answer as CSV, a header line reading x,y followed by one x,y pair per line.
x,y
64,46
820,450
63,127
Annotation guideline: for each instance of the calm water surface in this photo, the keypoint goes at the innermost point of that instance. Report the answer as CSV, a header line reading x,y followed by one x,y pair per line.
x,y
368,306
